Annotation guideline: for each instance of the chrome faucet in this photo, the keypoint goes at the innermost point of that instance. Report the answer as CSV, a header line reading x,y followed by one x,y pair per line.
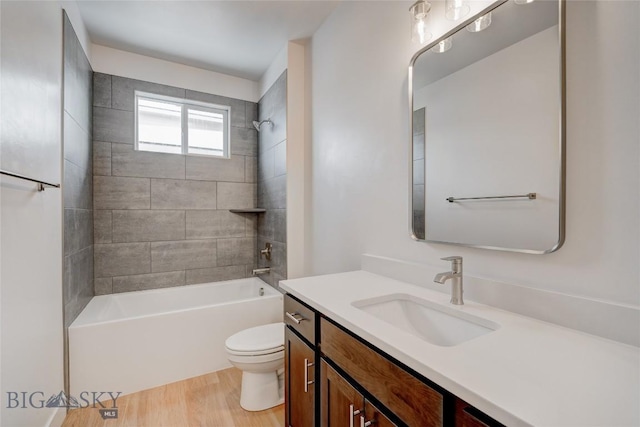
x,y
456,279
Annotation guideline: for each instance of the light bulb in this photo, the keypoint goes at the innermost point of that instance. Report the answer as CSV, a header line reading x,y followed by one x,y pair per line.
x,y
480,24
523,1
443,45
456,9
419,13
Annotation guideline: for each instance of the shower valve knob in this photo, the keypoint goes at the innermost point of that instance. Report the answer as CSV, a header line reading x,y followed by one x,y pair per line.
x,y
266,252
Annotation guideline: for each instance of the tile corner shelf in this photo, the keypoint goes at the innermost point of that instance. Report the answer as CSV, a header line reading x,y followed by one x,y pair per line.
x,y
251,210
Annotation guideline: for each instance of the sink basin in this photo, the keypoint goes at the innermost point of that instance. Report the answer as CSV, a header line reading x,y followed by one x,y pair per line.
x,y
434,323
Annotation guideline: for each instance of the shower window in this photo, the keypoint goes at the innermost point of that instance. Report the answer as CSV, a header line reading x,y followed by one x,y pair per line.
x,y
172,125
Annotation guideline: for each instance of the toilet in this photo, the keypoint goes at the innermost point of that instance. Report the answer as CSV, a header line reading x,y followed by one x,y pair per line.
x,y
259,353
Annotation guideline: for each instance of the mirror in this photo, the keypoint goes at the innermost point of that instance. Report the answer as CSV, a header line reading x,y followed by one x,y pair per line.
x,y
488,132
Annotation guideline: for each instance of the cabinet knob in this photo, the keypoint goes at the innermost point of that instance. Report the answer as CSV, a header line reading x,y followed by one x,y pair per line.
x,y
364,423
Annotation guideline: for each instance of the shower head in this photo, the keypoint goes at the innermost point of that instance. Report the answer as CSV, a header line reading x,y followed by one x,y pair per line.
x,y
257,124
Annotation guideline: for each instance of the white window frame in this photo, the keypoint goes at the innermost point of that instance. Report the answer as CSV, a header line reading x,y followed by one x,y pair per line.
x,y
185,104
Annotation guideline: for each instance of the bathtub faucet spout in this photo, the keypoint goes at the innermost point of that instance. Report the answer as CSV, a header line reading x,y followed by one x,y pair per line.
x,y
259,271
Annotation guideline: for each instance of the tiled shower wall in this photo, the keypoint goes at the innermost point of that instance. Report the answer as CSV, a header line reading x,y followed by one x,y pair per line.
x,y
78,214
418,173
272,180
163,220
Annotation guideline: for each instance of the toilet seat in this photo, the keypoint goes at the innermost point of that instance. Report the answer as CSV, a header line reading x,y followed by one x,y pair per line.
x,y
257,341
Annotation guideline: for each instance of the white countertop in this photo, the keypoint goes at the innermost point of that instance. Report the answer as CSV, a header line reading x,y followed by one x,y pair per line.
x,y
527,372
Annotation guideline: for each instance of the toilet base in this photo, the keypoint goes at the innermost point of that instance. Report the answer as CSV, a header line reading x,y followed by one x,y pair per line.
x,y
260,391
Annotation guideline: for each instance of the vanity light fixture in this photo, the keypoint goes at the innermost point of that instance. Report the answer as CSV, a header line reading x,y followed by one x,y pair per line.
x,y
456,9
419,12
480,24
443,46
523,1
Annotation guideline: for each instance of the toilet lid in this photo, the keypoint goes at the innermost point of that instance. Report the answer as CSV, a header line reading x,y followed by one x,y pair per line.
x,y
259,339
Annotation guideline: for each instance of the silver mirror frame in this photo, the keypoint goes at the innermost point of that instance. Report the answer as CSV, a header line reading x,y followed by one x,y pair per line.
x,y
562,136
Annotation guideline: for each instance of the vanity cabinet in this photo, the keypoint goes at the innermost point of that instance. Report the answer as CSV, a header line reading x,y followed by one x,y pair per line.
x,y
350,383
342,405
300,363
408,398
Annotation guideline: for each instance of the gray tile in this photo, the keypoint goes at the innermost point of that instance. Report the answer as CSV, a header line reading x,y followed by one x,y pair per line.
x,y
279,259
103,286
173,194
418,172
267,224
77,187
212,169
70,61
148,225
273,193
77,79
237,106
236,251
141,282
214,224
250,169
251,225
102,226
125,161
79,275
273,105
276,282
115,192
122,259
418,146
122,91
78,230
244,141
233,195
419,121
111,125
101,90
217,274
84,97
418,196
77,144
280,158
251,111
280,225
183,255
266,164
101,158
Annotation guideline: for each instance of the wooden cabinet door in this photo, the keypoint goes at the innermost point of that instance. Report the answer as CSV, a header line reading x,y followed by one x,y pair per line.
x,y
468,416
299,381
373,417
341,404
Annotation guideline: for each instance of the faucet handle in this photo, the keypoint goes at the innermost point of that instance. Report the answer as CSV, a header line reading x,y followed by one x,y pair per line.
x,y
456,263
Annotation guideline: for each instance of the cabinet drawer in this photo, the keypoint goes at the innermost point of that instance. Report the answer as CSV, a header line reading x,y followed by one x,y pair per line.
x,y
410,399
301,318
468,416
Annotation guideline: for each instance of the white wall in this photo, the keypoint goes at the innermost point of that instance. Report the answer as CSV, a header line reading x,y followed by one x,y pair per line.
x,y
31,340
361,152
126,64
31,225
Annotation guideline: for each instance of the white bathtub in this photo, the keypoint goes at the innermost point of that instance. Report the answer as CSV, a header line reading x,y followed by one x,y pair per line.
x,y
133,341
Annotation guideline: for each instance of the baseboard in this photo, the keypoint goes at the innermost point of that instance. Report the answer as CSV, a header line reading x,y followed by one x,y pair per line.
x,y
605,319
57,417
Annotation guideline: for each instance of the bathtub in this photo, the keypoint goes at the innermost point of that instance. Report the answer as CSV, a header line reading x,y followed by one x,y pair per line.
x,y
133,341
